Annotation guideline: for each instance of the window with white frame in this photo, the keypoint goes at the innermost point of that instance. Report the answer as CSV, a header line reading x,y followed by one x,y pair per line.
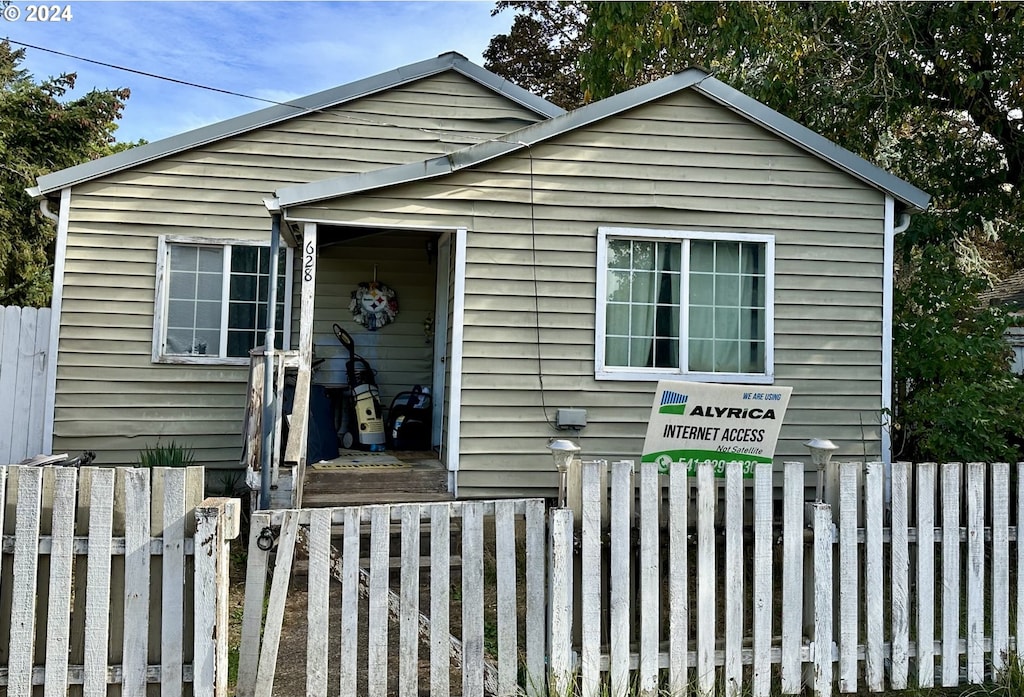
x,y
212,300
684,305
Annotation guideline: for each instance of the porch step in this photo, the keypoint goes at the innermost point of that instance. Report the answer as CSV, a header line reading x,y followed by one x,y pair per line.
x,y
332,499
355,486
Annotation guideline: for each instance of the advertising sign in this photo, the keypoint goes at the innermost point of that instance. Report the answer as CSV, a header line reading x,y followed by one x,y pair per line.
x,y
695,422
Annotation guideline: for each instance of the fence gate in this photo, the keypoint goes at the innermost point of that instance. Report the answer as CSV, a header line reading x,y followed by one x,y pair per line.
x,y
462,594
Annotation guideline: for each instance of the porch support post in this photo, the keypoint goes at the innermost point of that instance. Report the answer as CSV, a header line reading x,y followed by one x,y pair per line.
x,y
300,409
267,422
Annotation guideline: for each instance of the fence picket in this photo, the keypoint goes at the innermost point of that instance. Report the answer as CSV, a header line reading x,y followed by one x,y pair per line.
x,y
318,600
975,571
650,585
58,630
1000,566
252,613
377,619
560,602
926,476
762,582
822,521
874,592
473,599
950,573
590,577
275,604
1020,558
173,584
678,572
849,573
619,592
349,652
23,591
408,627
136,578
900,565
706,496
505,568
791,667
97,583
536,606
733,668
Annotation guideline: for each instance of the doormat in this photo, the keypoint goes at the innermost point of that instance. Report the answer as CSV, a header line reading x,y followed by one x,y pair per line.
x,y
357,459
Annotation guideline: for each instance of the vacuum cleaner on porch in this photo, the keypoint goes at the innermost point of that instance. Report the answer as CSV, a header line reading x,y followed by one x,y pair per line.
x,y
366,429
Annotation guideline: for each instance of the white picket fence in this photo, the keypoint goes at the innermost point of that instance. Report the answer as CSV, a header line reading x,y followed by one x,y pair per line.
x,y
680,586
24,360
113,577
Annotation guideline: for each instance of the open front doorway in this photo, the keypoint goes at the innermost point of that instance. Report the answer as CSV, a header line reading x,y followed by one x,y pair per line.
x,y
401,338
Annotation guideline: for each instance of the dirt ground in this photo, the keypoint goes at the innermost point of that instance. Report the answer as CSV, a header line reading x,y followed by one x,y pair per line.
x,y
290,672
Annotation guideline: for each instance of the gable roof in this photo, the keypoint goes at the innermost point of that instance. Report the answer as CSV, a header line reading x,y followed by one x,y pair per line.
x,y
1008,293
281,112
692,78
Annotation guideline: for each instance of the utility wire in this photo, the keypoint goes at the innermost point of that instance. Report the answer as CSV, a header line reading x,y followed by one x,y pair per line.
x,y
145,74
186,83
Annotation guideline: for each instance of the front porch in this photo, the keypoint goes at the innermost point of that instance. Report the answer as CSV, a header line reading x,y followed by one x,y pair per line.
x,y
409,352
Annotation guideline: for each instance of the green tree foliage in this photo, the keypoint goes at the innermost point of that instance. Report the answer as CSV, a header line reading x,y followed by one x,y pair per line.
x,y
40,133
931,91
542,50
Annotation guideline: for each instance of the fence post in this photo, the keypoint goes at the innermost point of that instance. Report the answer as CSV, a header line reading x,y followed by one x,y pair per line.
x,y
217,523
560,624
823,539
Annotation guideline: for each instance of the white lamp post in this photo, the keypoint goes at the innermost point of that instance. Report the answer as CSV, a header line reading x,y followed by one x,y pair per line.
x,y
563,451
821,453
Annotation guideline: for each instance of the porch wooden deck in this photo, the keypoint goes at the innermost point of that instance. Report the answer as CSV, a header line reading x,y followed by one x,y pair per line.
x,y
366,478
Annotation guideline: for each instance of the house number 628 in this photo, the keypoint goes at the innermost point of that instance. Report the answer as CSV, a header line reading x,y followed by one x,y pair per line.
x,y
309,262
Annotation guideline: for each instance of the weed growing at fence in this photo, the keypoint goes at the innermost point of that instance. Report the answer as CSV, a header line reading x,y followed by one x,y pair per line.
x,y
166,455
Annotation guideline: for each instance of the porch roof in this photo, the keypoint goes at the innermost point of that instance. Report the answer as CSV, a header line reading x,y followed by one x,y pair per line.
x,y
693,78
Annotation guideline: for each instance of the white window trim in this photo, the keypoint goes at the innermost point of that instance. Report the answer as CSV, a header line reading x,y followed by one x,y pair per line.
x,y
162,290
604,372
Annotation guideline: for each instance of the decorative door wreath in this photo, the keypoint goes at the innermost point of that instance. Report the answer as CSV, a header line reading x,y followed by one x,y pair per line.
x,y
373,305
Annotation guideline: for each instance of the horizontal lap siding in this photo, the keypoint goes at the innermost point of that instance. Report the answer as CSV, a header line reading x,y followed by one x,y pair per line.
x,y
686,164
110,397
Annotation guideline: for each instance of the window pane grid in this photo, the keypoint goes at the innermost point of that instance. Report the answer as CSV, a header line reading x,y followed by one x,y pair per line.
x,y
642,314
720,329
217,299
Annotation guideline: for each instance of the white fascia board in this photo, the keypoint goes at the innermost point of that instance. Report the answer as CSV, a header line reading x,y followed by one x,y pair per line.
x,y
888,284
56,301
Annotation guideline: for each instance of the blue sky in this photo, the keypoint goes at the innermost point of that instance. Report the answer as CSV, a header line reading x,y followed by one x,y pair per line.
x,y
270,49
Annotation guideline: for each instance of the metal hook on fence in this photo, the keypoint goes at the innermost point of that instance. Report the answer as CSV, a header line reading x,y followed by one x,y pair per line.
x,y
268,536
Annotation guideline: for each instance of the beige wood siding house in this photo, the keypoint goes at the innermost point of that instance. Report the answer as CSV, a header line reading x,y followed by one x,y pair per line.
x,y
112,394
687,158
503,231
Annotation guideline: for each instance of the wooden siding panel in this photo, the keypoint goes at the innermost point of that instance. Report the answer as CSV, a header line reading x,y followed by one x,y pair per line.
x,y
110,397
684,163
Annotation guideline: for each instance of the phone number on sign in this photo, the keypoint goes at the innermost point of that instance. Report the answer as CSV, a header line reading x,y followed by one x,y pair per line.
x,y
37,13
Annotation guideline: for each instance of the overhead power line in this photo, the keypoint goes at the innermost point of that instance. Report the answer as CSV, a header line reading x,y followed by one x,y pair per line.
x,y
145,74
186,83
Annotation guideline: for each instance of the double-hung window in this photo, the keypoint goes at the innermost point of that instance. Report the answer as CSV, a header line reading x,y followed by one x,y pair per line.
x,y
211,300
684,305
